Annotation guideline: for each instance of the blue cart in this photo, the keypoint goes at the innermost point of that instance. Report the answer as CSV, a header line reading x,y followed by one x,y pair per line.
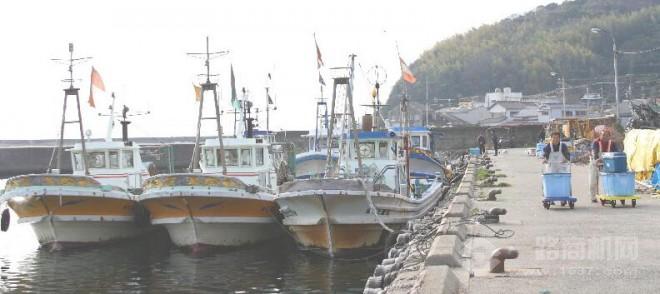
x,y
557,186
617,186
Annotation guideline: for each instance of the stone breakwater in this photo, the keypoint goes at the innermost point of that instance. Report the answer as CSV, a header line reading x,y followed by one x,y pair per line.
x,y
435,253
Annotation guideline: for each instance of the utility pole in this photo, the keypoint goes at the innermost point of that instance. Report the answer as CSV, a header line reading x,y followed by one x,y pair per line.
x,y
597,30
427,102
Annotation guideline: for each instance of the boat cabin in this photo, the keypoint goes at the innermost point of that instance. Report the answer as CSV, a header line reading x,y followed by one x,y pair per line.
x,y
420,137
245,158
111,163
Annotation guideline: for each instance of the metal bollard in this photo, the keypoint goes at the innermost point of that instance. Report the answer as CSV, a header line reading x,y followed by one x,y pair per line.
x,y
492,193
499,255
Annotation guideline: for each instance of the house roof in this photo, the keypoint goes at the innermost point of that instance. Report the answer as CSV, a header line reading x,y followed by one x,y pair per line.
x,y
513,105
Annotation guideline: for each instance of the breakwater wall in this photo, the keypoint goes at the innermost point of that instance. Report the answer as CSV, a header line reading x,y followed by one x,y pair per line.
x,y
428,256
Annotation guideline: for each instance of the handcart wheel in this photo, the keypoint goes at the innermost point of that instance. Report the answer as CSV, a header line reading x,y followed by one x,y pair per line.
x,y
623,202
613,203
571,204
634,202
546,205
563,203
602,202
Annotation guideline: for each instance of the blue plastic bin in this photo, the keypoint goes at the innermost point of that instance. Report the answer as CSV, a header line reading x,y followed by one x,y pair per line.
x,y
556,185
539,149
617,184
614,162
655,178
474,151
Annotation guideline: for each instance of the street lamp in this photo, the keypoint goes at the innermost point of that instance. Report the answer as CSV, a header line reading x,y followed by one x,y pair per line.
x,y
563,92
597,30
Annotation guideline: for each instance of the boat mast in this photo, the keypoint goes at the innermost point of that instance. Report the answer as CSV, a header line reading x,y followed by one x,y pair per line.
x,y
70,91
354,125
111,120
208,86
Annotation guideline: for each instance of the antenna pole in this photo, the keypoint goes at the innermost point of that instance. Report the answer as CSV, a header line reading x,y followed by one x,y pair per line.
x,y
208,86
71,91
267,111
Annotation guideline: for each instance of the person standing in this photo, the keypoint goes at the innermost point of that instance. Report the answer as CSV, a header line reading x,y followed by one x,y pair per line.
x,y
481,141
555,153
603,144
495,141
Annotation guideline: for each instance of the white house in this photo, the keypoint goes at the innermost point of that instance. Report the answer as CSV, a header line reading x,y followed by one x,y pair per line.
x,y
502,95
511,109
550,111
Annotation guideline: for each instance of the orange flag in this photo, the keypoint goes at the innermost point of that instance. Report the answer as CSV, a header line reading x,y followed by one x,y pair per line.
x,y
198,92
406,73
95,81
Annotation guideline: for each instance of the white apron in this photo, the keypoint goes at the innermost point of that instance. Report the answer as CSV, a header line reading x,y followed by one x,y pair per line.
x,y
556,161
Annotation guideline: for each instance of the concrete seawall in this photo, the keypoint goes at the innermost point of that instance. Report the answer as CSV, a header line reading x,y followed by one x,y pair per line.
x,y
431,260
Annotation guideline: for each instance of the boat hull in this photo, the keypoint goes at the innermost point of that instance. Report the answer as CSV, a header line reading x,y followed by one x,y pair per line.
x,y
343,222
58,235
194,221
61,222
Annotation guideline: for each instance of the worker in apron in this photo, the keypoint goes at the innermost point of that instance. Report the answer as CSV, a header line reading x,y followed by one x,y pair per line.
x,y
556,155
600,145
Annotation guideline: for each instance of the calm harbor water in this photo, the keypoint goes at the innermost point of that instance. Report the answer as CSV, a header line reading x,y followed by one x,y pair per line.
x,y
150,264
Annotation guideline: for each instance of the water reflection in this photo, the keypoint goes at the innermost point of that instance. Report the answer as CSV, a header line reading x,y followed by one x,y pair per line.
x,y
150,264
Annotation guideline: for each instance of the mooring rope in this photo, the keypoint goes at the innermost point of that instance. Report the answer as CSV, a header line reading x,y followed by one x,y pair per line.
x,y
373,207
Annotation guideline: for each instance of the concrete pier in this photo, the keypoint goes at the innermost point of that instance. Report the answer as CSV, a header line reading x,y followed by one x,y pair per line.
x,y
589,249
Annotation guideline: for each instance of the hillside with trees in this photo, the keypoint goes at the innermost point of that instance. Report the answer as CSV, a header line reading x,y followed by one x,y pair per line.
x,y
521,52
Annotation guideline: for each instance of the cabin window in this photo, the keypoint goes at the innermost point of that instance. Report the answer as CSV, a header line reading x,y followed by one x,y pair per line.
x,y
209,157
231,157
77,161
260,156
425,141
96,159
367,150
246,157
127,158
113,156
382,150
415,141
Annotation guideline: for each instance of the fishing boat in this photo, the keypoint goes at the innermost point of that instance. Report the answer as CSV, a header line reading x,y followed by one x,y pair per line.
x,y
226,198
115,163
71,210
423,163
361,202
311,163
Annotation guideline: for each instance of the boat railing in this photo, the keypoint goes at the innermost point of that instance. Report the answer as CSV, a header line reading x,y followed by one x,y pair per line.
x,y
378,179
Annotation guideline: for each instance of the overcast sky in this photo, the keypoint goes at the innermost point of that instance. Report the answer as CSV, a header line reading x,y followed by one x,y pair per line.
x,y
139,49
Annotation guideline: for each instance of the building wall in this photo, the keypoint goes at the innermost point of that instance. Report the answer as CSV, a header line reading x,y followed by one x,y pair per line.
x,y
463,137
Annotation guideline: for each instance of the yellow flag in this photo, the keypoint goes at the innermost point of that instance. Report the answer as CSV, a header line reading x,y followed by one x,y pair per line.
x,y
198,92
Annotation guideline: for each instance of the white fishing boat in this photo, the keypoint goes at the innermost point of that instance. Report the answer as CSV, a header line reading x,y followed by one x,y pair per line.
x,y
111,163
115,163
72,210
228,201
361,202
